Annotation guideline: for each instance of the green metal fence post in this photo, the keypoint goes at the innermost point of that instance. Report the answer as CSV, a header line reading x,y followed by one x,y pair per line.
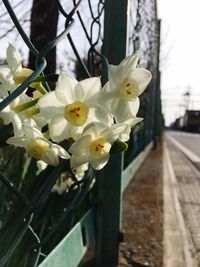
x,y
109,179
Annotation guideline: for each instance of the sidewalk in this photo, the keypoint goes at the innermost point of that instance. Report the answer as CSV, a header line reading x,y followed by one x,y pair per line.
x,y
185,179
155,221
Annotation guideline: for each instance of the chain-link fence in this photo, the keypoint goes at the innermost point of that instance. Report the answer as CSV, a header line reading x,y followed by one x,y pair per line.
x,y
144,36
33,219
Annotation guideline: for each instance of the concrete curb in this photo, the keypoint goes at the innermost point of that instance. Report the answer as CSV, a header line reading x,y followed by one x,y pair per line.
x,y
176,245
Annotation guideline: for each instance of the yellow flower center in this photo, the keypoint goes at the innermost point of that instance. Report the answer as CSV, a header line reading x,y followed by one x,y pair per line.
x,y
76,113
129,89
100,148
37,149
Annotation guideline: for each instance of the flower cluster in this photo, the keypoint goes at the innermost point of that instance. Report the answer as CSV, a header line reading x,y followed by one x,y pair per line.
x,y
83,114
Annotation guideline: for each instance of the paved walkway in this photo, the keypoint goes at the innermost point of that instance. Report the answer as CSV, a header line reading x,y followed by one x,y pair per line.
x,y
166,172
181,209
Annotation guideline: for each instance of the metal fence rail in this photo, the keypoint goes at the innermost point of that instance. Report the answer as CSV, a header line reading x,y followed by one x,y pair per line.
x,y
32,219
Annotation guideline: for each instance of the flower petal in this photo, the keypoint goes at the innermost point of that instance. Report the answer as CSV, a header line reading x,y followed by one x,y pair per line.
x,y
49,105
6,114
131,61
98,113
3,93
134,107
142,77
6,78
124,136
17,125
92,88
20,141
81,146
99,163
78,92
76,161
13,59
31,132
111,134
51,158
94,130
58,128
106,96
60,151
124,110
115,75
65,88
41,166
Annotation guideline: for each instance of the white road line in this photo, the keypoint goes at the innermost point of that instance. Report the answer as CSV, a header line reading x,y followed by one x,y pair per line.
x,y
192,156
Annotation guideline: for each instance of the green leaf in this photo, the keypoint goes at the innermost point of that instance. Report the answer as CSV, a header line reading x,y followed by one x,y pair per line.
x,y
118,147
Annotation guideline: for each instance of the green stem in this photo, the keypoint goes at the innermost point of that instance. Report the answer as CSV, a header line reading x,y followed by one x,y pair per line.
x,y
41,89
24,106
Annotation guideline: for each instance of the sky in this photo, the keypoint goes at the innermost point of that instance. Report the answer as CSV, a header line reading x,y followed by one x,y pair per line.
x,y
180,56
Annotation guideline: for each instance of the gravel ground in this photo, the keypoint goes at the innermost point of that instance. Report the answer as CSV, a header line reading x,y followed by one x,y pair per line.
x,y
143,215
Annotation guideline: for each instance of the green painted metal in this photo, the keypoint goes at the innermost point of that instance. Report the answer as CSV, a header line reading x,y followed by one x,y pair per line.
x,y
132,168
70,251
109,179
115,30
157,92
109,212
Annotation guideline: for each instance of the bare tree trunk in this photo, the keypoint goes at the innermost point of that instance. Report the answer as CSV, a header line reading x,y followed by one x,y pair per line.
x,y
44,20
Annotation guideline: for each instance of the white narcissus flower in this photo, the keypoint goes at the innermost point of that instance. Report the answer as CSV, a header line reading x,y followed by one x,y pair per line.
x,y
8,73
13,74
8,112
126,83
72,106
12,114
39,147
94,145
8,115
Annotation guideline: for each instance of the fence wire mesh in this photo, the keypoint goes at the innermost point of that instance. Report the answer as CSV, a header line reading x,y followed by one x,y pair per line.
x,y
32,218
30,214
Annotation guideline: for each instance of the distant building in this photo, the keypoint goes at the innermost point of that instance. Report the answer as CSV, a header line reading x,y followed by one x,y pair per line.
x,y
191,121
